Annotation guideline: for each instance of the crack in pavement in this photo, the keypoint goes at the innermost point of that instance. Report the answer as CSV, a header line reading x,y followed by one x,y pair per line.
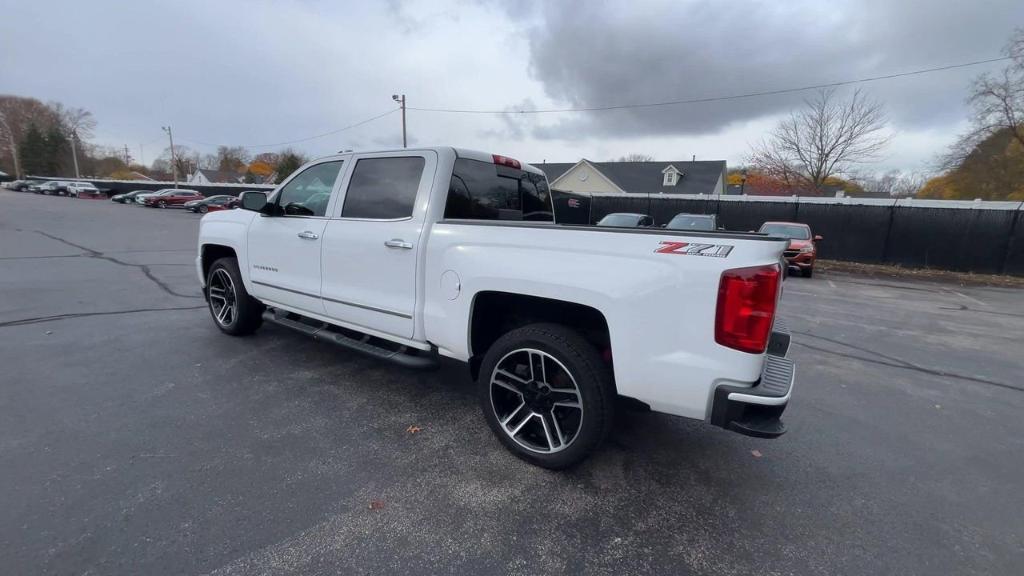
x,y
41,319
100,255
894,362
965,308
43,257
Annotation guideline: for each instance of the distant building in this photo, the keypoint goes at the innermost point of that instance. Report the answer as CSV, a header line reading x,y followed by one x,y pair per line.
x,y
676,177
206,176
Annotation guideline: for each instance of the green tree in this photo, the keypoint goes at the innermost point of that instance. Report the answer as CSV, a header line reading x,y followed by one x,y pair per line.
x,y
58,151
288,161
32,151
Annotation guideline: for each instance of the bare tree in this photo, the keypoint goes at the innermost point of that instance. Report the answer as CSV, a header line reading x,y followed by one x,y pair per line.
x,y
77,121
232,158
17,113
826,138
635,157
894,183
185,160
997,103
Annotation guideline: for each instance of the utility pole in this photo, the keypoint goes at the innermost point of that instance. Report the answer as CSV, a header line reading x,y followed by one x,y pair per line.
x,y
174,167
127,158
74,150
13,145
142,155
401,100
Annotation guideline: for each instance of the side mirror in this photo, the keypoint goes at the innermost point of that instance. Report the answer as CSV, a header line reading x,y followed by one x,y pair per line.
x,y
818,238
254,200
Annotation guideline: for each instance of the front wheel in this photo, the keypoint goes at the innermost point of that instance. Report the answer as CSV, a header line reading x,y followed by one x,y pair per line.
x,y
233,310
808,272
162,204
203,209
547,394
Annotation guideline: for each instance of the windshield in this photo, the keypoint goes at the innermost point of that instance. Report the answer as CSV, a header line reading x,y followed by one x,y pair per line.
x,y
626,220
692,222
792,231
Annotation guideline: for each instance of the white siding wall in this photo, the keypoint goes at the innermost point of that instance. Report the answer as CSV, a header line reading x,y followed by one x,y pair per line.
x,y
595,182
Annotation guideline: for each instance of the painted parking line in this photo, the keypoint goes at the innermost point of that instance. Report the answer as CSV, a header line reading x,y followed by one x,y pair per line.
x,y
966,297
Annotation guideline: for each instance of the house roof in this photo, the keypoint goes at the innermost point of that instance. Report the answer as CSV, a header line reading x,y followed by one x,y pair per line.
x,y
219,176
699,177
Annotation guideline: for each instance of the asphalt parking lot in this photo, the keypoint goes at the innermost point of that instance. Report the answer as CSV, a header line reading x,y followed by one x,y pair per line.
x,y
135,438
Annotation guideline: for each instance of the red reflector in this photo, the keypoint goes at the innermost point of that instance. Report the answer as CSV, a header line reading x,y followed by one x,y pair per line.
x,y
506,161
746,307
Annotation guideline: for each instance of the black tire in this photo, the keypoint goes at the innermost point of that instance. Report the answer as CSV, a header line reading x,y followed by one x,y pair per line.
x,y
247,315
162,204
592,378
807,272
203,209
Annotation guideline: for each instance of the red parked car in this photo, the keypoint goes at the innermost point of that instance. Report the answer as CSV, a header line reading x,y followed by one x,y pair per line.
x,y
212,204
172,198
802,252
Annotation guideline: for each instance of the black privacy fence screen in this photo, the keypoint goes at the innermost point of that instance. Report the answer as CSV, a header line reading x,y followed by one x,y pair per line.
x,y
984,237
965,236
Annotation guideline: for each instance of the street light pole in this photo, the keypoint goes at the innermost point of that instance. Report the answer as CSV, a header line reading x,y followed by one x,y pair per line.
x,y
74,152
401,100
174,164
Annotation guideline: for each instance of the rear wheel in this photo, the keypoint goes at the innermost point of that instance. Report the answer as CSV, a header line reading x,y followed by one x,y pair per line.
x,y
547,394
233,310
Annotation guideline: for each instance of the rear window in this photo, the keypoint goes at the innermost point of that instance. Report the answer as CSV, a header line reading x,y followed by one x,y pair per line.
x,y
691,222
792,231
486,191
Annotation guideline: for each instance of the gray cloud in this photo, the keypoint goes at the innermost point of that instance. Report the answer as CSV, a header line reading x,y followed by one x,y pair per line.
x,y
658,51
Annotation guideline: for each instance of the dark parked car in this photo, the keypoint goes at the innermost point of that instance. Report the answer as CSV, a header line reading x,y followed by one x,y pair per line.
x,y
23,185
693,222
128,197
802,251
172,197
626,220
52,188
212,204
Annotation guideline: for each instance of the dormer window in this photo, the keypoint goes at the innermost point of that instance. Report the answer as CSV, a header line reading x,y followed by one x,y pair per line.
x,y
671,176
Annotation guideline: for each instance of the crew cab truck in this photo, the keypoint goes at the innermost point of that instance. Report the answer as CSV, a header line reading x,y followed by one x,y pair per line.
x,y
410,255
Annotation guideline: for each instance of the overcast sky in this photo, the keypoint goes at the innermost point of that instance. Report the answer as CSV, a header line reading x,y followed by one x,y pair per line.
x,y
251,72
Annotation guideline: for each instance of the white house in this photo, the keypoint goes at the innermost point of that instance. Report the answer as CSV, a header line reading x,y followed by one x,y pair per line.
x,y
676,177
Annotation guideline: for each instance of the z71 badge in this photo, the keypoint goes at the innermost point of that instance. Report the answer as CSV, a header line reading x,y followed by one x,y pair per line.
x,y
694,249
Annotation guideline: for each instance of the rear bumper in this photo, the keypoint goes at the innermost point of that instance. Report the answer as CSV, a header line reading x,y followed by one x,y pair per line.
x,y
757,410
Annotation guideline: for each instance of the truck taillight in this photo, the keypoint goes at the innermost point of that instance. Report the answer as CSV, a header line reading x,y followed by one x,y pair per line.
x,y
746,307
506,161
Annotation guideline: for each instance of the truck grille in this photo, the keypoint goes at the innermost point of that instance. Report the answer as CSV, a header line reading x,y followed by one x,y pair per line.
x,y
790,253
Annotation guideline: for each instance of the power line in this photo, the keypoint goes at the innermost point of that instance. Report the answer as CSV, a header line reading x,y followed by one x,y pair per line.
x,y
715,98
332,132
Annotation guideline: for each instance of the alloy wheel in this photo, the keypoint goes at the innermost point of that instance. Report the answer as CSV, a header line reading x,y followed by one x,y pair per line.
x,y
536,401
222,297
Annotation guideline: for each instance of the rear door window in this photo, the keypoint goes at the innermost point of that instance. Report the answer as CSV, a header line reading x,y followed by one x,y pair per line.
x,y
383,188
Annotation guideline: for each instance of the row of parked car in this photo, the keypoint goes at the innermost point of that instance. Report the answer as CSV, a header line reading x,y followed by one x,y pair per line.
x,y
71,188
166,198
191,200
800,255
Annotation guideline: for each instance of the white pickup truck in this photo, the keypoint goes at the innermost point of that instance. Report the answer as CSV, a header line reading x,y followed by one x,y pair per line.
x,y
408,255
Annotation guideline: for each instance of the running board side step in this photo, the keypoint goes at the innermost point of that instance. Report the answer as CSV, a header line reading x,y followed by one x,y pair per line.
x,y
401,355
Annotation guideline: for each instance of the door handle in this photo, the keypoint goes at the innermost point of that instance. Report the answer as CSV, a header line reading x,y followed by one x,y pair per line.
x,y
396,243
307,235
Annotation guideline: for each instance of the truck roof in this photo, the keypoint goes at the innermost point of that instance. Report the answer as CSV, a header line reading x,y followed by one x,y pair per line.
x,y
459,153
